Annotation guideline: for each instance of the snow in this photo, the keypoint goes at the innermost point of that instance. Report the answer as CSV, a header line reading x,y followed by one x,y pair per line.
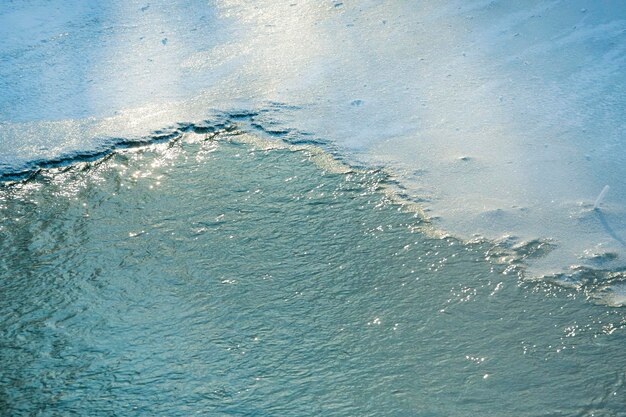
x,y
505,119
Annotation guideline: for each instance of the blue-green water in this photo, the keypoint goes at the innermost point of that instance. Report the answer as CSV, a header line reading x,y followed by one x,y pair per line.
x,y
213,277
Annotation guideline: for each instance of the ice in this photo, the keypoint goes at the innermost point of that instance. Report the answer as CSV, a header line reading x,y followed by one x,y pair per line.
x,y
596,205
616,296
502,118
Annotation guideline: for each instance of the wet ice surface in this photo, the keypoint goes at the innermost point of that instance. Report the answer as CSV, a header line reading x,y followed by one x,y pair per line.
x,y
503,119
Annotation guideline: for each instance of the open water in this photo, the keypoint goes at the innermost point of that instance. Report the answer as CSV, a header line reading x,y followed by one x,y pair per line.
x,y
222,274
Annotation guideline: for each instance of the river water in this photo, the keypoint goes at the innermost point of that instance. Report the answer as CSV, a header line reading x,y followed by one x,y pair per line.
x,y
223,274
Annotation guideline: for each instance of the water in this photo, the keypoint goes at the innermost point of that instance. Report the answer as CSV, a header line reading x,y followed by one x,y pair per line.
x,y
229,275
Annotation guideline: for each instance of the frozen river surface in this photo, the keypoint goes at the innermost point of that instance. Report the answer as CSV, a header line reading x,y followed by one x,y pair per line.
x,y
504,119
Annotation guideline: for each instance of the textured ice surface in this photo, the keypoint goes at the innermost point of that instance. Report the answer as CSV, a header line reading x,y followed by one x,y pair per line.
x,y
506,119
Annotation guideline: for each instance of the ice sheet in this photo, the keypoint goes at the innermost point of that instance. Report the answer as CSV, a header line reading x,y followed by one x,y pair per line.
x,y
505,119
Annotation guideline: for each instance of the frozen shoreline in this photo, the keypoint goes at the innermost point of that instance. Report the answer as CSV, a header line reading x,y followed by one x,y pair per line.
x,y
504,121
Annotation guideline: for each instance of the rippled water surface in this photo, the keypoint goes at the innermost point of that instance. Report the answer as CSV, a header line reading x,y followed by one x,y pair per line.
x,y
227,277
